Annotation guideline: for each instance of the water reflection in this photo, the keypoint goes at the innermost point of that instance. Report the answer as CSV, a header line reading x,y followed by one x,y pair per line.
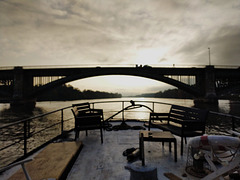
x,y
38,131
10,115
234,107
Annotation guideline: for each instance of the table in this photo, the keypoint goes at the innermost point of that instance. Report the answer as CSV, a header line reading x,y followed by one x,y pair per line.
x,y
156,136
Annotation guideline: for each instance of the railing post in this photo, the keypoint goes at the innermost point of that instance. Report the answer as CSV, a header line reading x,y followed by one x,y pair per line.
x,y
25,138
62,121
233,123
28,129
123,110
153,106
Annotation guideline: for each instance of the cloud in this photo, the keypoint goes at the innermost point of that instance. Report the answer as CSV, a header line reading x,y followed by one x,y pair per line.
x,y
224,47
118,32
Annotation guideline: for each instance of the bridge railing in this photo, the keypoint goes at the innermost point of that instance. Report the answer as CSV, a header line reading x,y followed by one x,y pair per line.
x,y
121,65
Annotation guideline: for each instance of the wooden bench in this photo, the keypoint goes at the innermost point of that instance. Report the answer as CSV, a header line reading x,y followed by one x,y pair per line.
x,y
87,119
181,121
82,106
54,161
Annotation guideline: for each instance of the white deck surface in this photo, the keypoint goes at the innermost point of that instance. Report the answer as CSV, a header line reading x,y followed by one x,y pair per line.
x,y
105,161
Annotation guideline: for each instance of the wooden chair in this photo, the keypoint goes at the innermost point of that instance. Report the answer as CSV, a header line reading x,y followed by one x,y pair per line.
x,y
87,119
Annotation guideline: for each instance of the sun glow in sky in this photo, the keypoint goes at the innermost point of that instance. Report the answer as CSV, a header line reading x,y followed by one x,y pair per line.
x,y
150,55
119,33
126,85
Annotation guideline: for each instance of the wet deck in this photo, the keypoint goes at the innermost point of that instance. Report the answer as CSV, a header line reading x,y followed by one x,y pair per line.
x,y
106,161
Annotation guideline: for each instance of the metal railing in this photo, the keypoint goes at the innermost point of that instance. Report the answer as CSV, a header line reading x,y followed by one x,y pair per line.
x,y
17,138
119,65
19,135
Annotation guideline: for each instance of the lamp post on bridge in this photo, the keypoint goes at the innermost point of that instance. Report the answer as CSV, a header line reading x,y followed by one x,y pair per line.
x,y
209,56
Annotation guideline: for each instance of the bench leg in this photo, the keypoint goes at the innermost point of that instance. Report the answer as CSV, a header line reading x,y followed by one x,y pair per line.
x,y
76,134
101,135
175,150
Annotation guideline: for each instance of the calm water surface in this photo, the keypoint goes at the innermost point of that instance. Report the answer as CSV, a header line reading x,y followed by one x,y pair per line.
x,y
7,115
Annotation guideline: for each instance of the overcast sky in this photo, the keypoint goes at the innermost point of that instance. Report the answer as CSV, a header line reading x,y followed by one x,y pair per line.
x,y
119,32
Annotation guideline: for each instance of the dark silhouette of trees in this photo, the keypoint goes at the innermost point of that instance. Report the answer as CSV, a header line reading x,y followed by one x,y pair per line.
x,y
170,93
67,92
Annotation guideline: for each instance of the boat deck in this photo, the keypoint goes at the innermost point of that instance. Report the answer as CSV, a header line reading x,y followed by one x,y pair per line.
x,y
106,161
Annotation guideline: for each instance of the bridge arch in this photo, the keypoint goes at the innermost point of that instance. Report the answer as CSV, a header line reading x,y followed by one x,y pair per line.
x,y
147,74
208,80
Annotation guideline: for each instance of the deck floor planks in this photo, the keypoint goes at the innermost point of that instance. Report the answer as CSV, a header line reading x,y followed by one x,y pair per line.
x,y
51,162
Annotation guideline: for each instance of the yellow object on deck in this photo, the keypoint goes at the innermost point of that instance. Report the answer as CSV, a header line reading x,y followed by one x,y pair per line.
x,y
51,162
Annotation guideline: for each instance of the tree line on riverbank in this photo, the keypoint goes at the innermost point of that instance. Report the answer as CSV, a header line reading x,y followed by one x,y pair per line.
x,y
67,92
179,94
170,93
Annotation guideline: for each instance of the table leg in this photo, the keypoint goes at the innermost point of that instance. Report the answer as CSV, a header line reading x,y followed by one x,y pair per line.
x,y
141,147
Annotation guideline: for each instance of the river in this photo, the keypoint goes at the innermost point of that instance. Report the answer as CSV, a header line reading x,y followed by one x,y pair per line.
x,y
7,115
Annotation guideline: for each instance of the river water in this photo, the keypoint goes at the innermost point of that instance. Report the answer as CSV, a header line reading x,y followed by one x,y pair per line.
x,y
215,124
7,115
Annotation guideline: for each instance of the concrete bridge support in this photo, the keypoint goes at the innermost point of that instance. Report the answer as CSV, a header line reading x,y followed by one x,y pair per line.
x,y
209,87
23,86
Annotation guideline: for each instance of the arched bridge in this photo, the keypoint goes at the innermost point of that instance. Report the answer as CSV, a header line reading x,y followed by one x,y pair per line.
x,y
205,83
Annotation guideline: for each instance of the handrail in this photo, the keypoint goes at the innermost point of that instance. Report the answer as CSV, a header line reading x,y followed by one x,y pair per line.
x,y
24,133
34,117
22,163
115,65
226,115
25,128
133,106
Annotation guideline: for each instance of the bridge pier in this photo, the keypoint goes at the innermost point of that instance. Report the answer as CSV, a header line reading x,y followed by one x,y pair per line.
x,y
23,85
210,96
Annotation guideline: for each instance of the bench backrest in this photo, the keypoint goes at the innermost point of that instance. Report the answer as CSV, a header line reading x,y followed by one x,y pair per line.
x,y
86,122
181,113
82,106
